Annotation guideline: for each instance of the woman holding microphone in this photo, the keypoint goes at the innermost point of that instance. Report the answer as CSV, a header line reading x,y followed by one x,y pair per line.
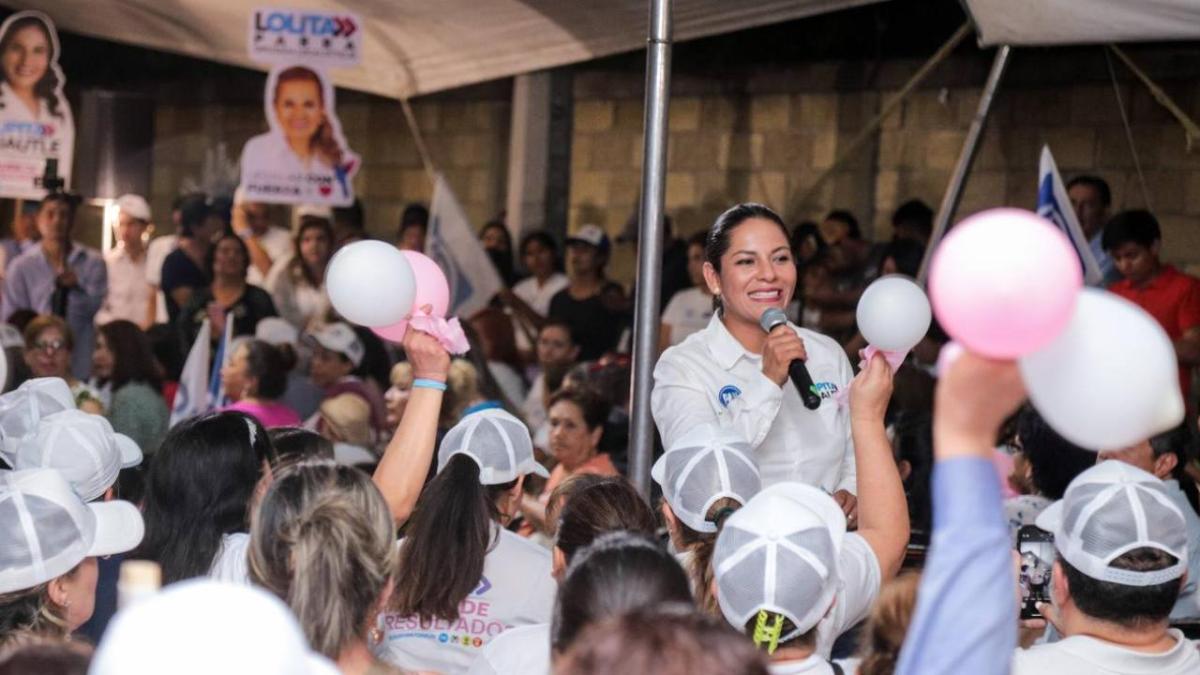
x,y
736,374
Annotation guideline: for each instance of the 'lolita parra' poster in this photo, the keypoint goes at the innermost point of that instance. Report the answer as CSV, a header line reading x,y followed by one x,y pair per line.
x,y
35,117
303,159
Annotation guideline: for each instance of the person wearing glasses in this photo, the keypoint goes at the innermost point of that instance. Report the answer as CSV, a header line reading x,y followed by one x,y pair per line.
x,y
48,345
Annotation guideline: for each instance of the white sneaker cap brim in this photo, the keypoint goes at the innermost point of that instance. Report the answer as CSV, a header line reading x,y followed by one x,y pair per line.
x,y
131,454
119,528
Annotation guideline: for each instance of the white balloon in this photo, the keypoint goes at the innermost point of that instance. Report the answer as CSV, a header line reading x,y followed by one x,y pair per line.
x,y
1110,380
371,283
893,313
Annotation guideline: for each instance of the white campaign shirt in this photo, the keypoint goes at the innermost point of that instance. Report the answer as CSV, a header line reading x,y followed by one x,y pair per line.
x,y
156,254
859,580
230,564
524,650
128,294
517,589
813,665
689,311
277,242
538,299
300,304
1086,655
710,377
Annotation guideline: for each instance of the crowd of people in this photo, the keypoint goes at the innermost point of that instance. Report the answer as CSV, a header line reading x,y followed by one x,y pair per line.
x,y
358,506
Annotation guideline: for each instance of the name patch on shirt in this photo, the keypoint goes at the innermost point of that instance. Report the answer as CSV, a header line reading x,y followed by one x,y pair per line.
x,y
727,394
824,389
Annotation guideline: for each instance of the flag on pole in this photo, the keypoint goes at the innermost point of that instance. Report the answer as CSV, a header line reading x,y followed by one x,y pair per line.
x,y
1054,205
454,246
192,397
216,385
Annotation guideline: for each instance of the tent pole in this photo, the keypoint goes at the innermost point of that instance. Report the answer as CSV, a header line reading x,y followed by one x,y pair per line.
x,y
966,157
650,242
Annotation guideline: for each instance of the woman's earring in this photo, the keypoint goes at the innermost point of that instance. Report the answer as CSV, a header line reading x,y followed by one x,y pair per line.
x,y
375,635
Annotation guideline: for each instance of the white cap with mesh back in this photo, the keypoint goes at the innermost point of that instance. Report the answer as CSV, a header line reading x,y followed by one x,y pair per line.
x,y
46,529
22,408
779,553
1110,510
82,447
341,338
707,464
205,626
276,331
498,442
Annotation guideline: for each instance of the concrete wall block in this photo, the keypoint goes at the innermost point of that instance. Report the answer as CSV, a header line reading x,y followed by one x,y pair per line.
x,y
472,150
769,113
195,145
1181,239
418,186
824,150
681,190
594,115
787,151
991,150
985,190
887,191
814,110
590,187
1169,148
856,109
891,148
630,115
769,187
1167,190
746,151
624,188
926,109
942,148
1096,104
490,115
684,114
1021,187
612,150
353,116
1074,148
482,189
723,112
581,151
190,117
1191,202
428,115
456,117
928,185
896,119
698,151
1040,106
1112,148
386,182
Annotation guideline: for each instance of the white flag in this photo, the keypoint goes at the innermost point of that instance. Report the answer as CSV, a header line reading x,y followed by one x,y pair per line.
x,y
454,246
191,398
1054,205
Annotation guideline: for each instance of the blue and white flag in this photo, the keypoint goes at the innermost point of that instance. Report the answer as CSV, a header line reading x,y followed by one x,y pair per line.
x,y
191,398
216,384
454,246
1054,205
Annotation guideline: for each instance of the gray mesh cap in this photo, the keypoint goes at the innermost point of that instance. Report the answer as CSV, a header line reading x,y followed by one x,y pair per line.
x,y
82,447
498,442
22,409
46,530
1109,510
779,553
709,463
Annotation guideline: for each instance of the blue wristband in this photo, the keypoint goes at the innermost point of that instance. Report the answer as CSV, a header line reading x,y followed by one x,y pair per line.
x,y
423,383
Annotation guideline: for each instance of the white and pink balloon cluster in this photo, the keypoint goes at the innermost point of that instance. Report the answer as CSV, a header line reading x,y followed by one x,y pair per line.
x,y
1007,284
374,284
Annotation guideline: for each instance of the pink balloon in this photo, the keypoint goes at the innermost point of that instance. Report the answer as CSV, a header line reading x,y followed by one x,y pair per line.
x,y
393,333
431,289
1004,282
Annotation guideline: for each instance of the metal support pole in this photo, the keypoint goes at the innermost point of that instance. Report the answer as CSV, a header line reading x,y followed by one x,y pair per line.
x,y
966,157
654,173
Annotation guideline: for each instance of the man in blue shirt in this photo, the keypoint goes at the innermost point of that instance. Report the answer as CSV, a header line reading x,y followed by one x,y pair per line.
x,y
59,276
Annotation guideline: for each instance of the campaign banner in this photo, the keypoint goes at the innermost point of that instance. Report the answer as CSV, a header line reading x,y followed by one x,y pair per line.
x,y
323,39
304,158
35,117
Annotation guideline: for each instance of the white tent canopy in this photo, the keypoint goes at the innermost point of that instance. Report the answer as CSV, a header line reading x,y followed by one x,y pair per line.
x,y
1057,22
413,47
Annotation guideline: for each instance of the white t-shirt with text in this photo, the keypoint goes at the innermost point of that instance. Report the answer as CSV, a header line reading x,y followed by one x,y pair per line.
x,y
524,650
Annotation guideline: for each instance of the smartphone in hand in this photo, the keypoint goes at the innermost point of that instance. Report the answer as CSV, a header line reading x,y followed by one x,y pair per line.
x,y
1036,548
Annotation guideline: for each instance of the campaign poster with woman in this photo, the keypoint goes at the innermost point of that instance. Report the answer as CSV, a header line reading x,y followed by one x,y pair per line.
x,y
35,117
304,157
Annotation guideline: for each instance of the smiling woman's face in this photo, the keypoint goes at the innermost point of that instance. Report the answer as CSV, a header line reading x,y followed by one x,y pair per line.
x,y
299,109
757,271
26,58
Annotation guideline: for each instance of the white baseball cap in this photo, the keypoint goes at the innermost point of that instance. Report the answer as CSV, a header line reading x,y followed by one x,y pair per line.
x,y
276,331
707,464
200,627
46,530
498,442
591,234
779,553
339,337
82,447
1110,510
22,409
134,206
314,211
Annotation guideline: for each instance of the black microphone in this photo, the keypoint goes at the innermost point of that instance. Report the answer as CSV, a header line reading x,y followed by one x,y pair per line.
x,y
796,369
